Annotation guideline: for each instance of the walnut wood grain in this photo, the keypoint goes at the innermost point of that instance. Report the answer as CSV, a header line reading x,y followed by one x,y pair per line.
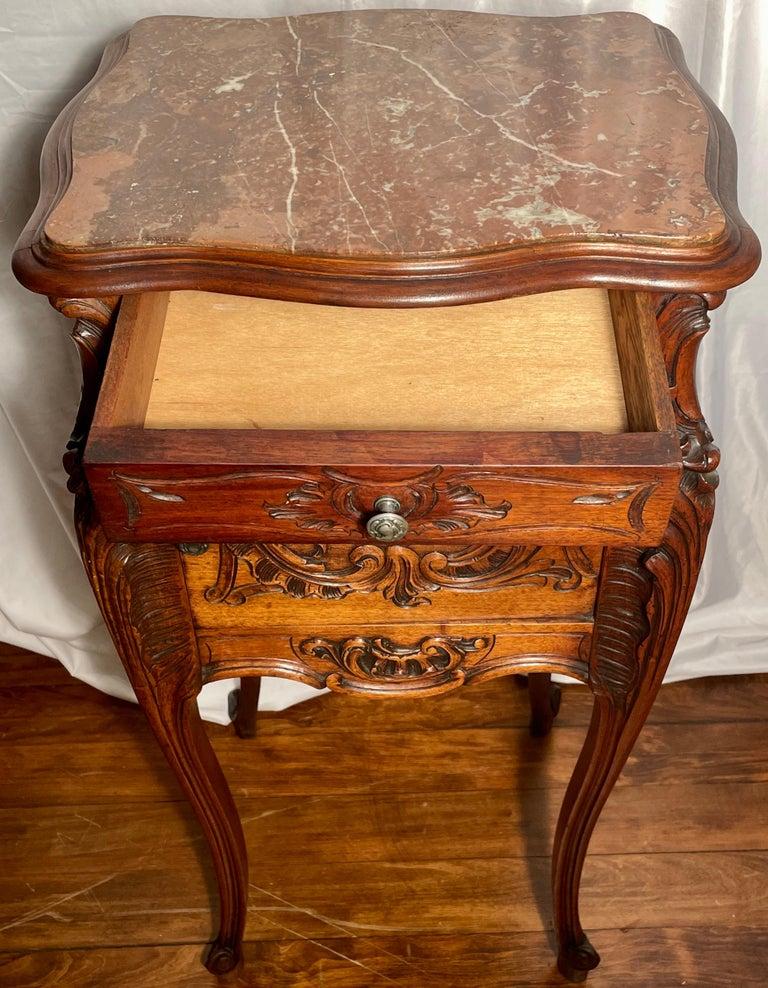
x,y
568,505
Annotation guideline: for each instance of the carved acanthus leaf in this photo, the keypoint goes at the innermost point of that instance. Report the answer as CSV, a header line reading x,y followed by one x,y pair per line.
x,y
406,575
141,592
350,500
683,321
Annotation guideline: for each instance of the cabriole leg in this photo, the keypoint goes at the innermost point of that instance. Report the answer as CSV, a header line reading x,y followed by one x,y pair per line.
x,y
642,602
141,592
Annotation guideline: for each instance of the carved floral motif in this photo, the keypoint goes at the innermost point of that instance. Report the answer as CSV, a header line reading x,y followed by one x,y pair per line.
x,y
406,575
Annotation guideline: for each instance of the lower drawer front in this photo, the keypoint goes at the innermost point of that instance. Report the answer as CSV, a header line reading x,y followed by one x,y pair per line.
x,y
391,620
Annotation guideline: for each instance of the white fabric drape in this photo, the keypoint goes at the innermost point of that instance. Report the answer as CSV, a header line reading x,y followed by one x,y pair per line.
x,y
49,50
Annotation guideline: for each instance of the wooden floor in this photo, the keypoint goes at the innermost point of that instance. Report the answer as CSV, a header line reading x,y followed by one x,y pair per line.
x,y
401,843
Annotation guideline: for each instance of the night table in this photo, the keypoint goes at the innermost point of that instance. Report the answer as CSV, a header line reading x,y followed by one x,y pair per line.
x,y
388,323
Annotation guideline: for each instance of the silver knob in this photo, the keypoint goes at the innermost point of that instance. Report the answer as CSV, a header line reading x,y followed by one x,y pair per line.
x,y
387,525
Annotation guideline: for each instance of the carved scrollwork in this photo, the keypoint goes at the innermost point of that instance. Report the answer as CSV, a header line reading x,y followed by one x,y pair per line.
x,y
350,499
406,575
683,321
131,489
365,661
94,318
645,594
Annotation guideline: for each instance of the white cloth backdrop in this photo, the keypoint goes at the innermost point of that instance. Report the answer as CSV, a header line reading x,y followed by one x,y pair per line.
x,y
48,51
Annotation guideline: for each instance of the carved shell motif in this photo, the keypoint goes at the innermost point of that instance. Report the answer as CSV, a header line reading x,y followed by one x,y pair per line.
x,y
379,664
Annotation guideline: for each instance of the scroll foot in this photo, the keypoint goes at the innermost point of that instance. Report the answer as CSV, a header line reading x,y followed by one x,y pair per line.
x,y
222,958
575,962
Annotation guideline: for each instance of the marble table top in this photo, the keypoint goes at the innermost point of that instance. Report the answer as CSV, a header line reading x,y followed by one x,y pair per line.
x,y
389,133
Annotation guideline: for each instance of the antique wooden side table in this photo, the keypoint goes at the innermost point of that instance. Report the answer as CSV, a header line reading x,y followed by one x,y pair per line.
x,y
388,323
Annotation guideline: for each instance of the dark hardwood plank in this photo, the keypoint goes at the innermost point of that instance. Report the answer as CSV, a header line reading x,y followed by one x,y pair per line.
x,y
166,895
504,703
97,848
325,762
644,958
57,713
21,668
391,827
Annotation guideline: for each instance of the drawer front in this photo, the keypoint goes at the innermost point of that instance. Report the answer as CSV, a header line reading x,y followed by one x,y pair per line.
x,y
573,505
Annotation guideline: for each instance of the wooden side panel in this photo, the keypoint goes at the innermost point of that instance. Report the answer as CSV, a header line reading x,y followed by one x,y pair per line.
x,y
646,390
127,382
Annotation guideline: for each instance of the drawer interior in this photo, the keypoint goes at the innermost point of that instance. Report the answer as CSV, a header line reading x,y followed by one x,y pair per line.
x,y
581,360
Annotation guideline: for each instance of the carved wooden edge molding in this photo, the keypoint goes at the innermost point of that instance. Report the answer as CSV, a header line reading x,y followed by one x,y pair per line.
x,y
403,574
92,333
644,595
141,592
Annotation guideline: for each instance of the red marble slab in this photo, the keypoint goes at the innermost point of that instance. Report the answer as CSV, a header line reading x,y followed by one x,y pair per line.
x,y
388,133
388,157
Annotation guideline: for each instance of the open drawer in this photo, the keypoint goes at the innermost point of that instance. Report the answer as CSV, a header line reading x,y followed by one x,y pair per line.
x,y
540,419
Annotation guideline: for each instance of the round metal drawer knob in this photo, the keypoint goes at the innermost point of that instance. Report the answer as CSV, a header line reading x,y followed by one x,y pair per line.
x,y
387,525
